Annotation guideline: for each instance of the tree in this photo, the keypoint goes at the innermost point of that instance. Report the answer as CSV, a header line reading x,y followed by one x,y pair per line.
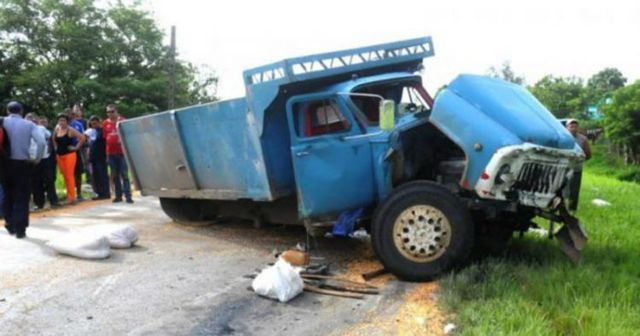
x,y
56,53
506,73
603,84
622,121
563,96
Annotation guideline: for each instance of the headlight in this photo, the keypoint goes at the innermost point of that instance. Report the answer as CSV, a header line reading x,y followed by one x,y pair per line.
x,y
504,174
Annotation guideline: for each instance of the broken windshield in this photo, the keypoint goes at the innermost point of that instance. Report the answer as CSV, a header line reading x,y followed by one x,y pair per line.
x,y
409,97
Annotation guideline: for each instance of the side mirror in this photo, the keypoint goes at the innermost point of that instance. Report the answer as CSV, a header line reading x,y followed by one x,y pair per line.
x,y
387,114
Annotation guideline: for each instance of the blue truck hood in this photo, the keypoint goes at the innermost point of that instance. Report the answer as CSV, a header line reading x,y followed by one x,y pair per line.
x,y
490,112
514,108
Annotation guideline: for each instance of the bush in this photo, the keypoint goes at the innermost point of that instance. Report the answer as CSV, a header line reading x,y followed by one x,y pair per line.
x,y
609,164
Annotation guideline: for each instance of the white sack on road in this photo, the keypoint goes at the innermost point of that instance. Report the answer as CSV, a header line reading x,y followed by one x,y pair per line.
x,y
119,236
85,246
280,281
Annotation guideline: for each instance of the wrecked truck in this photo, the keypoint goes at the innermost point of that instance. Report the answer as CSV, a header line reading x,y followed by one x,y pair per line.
x,y
354,134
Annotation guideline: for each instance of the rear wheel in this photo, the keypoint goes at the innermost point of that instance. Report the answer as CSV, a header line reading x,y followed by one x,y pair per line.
x,y
421,231
187,211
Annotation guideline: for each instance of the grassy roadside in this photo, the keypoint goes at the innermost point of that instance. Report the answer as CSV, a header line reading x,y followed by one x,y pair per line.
x,y
534,290
606,164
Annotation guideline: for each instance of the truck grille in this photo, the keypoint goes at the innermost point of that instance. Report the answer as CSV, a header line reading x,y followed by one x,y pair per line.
x,y
540,178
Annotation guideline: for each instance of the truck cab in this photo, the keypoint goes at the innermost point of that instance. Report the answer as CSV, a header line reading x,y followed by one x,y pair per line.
x,y
337,142
354,134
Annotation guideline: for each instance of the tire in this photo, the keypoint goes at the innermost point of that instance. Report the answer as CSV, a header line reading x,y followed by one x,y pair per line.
x,y
186,211
421,231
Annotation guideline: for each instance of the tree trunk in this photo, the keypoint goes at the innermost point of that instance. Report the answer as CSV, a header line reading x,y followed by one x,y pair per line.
x,y
627,158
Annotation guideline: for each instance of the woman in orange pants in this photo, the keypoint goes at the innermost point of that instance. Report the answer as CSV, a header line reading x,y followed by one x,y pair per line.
x,y
66,153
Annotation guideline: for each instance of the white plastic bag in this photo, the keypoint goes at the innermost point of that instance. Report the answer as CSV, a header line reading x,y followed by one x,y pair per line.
x,y
280,281
119,236
600,202
85,246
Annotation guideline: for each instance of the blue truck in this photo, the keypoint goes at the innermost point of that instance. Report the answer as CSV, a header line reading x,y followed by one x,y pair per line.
x,y
354,134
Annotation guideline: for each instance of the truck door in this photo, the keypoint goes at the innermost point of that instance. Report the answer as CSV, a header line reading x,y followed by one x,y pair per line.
x,y
331,157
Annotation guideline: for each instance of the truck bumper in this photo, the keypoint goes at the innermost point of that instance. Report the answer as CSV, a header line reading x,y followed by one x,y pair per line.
x,y
530,174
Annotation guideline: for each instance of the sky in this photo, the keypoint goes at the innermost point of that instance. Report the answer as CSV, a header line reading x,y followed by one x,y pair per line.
x,y
561,37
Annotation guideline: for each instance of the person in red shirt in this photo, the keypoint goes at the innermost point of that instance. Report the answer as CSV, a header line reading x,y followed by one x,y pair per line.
x,y
115,155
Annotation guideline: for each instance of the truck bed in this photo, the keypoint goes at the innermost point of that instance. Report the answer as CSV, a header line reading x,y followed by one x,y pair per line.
x,y
206,151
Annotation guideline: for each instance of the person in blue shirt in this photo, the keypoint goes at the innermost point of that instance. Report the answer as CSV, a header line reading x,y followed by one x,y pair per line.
x,y
17,184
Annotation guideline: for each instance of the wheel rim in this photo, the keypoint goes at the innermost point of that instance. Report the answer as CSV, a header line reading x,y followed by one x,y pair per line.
x,y
422,233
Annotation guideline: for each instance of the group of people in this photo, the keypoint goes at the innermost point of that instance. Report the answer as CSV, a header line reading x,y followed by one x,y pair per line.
x,y
30,153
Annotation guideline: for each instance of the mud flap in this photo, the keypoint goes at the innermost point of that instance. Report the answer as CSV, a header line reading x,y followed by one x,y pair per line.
x,y
572,236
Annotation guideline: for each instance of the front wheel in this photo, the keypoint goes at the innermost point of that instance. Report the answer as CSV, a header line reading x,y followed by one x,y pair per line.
x,y
422,230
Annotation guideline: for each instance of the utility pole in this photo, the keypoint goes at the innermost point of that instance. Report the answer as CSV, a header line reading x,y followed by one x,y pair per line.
x,y
172,69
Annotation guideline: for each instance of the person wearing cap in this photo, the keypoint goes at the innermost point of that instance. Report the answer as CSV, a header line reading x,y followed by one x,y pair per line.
x,y
581,140
17,185
576,179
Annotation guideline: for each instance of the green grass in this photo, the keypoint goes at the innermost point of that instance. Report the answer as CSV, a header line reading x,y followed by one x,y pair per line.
x,y
61,189
534,290
604,163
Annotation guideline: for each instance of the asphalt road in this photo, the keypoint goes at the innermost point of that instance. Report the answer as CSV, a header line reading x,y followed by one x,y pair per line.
x,y
187,281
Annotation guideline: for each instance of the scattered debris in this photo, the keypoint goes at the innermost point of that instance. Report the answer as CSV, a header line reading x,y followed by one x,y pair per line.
x,y
366,264
296,258
280,281
369,291
360,234
275,280
373,274
337,279
335,286
311,288
449,328
600,202
322,269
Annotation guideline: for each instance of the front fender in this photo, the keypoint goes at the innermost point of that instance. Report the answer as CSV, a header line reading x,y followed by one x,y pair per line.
x,y
478,135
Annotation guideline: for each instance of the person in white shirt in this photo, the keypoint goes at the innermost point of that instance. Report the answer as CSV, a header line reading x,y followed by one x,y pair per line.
x,y
50,165
40,179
